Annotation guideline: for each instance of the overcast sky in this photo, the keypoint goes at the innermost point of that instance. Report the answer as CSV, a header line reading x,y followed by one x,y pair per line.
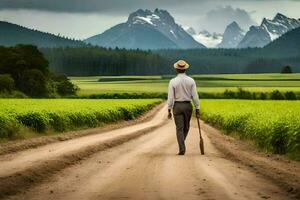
x,y
83,18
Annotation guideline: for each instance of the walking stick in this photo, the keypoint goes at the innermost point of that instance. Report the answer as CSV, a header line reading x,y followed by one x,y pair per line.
x,y
201,144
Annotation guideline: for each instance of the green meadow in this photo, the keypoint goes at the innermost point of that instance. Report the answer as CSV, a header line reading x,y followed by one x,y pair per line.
x,y
205,83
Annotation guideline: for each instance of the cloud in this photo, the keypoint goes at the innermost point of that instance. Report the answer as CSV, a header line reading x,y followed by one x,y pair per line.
x,y
89,5
62,5
111,5
217,19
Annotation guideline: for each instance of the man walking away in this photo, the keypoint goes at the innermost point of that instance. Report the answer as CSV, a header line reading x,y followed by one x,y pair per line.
x,y
182,89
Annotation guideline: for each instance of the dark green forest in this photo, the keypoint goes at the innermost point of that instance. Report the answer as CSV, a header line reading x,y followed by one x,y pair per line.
x,y
23,68
100,61
211,61
88,61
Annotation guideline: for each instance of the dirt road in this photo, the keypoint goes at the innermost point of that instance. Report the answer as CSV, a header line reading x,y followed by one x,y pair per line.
x,y
145,167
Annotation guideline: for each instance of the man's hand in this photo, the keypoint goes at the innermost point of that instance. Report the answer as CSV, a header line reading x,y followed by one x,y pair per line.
x,y
198,113
169,114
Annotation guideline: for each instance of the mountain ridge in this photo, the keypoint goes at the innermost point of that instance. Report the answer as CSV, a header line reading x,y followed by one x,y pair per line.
x,y
162,32
13,34
287,43
269,30
232,36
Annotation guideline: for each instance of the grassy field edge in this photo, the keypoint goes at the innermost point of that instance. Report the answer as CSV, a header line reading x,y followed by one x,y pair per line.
x,y
273,126
18,123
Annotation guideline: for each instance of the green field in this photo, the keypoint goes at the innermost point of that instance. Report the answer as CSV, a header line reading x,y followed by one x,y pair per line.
x,y
273,125
40,115
205,83
269,76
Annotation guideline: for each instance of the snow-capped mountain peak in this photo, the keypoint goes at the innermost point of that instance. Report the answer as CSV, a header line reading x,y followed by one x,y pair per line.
x,y
204,37
234,25
268,26
162,21
148,19
189,30
269,30
279,25
147,29
232,36
142,17
152,18
280,16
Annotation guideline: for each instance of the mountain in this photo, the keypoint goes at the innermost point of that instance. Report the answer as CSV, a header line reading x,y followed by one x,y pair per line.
x,y
232,36
145,29
255,37
210,40
269,30
12,34
189,30
288,45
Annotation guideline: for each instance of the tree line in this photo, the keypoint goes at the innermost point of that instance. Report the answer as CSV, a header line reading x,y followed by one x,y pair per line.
x,y
251,60
90,61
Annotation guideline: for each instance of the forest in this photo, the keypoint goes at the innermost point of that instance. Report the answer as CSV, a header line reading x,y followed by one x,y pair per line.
x,y
91,61
24,69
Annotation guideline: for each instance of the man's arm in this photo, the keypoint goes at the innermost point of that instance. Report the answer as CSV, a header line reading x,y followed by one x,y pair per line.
x,y
195,98
171,97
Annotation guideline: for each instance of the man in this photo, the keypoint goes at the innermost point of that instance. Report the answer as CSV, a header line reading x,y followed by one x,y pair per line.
x,y
182,89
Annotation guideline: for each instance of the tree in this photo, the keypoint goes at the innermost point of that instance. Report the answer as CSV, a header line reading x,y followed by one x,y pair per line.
x,y
7,83
290,95
64,86
277,95
286,70
34,83
25,68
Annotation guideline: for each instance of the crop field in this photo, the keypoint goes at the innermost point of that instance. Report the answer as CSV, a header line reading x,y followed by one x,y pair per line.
x,y
273,125
270,76
40,115
205,83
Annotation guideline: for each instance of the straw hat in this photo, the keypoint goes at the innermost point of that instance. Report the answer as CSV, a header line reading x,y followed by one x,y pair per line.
x,y
181,64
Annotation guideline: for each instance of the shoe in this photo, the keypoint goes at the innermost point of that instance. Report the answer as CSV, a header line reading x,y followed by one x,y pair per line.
x,y
181,153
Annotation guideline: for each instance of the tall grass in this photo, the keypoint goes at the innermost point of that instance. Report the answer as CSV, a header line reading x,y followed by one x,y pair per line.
x,y
273,125
59,115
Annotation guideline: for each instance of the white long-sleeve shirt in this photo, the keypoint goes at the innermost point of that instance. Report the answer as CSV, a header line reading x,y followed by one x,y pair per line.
x,y
182,88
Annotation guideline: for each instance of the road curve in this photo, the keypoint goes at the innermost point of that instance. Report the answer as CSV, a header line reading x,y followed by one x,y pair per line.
x,y
148,168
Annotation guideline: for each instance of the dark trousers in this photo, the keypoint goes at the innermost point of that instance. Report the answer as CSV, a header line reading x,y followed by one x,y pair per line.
x,y
182,112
